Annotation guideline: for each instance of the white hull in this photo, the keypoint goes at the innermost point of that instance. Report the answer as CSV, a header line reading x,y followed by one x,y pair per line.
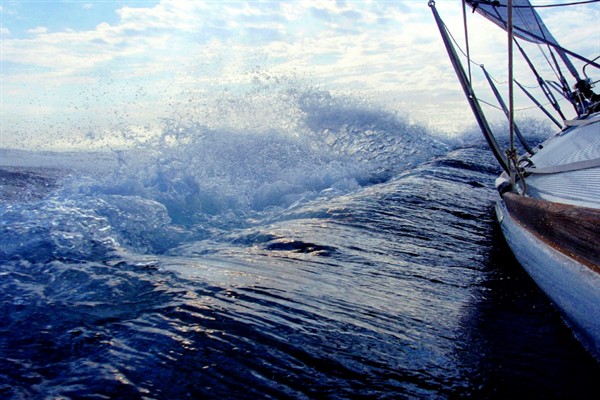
x,y
552,191
572,286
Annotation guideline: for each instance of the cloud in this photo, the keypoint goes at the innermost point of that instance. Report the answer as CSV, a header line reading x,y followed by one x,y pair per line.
x,y
177,16
261,35
141,32
370,48
37,31
176,45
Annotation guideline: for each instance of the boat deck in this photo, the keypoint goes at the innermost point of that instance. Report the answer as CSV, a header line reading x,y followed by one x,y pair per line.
x,y
580,187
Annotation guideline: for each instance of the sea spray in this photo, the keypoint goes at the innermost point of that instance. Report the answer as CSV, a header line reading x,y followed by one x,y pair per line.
x,y
159,271
220,162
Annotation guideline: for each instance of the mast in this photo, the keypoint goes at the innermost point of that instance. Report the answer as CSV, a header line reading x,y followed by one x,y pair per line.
x,y
511,100
511,152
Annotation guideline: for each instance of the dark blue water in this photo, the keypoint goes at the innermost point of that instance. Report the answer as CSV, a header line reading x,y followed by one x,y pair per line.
x,y
357,260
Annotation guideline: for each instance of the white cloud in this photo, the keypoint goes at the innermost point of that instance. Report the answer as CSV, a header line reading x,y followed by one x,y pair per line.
x,y
366,47
38,30
177,16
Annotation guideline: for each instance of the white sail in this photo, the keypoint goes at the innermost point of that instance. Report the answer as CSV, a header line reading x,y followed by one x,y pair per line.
x,y
527,24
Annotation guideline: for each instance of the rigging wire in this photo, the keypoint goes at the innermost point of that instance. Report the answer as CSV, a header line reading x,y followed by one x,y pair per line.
x,y
487,103
464,10
469,61
563,52
460,48
520,109
573,3
525,22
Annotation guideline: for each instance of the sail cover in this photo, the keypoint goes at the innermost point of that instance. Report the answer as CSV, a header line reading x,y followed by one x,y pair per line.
x,y
527,24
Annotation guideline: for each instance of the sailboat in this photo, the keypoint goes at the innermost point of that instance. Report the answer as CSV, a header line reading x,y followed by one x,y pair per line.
x,y
548,203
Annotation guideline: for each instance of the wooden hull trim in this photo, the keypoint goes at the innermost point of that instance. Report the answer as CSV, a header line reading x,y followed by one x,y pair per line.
x,y
572,286
572,230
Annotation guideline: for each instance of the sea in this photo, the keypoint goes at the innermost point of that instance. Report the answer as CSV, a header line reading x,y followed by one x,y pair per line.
x,y
356,259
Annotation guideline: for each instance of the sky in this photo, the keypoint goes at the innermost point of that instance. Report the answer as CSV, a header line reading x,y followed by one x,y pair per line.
x,y
108,72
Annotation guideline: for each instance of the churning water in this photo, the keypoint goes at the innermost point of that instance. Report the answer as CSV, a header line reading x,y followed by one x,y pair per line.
x,y
359,259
